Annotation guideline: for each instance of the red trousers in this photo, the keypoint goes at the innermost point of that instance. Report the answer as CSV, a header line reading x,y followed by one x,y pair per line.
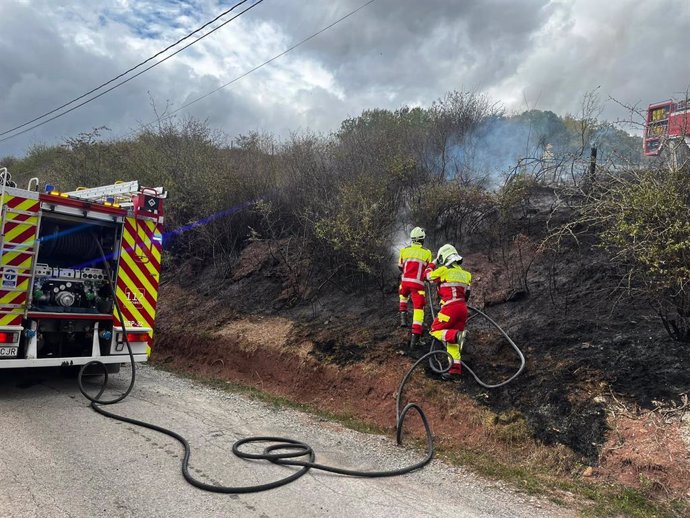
x,y
410,290
450,322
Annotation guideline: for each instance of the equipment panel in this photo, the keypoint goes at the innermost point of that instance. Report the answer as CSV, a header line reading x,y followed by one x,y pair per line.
x,y
71,290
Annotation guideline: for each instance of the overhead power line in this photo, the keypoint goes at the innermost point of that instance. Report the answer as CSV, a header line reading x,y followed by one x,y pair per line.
x,y
123,73
127,72
268,61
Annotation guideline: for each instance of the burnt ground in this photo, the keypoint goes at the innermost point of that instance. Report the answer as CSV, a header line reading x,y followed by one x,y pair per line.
x,y
586,347
582,347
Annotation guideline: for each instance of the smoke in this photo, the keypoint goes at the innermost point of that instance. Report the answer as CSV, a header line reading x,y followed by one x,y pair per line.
x,y
401,232
495,148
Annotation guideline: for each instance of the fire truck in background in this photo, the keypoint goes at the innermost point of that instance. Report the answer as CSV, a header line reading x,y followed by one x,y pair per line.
x,y
57,306
667,123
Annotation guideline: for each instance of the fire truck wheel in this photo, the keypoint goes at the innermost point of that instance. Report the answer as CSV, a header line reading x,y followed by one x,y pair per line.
x,y
71,371
113,368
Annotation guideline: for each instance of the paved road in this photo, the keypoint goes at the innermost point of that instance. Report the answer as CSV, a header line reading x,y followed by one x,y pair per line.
x,y
58,458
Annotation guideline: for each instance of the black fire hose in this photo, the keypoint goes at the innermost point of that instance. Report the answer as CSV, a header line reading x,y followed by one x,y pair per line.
x,y
437,367
95,400
282,451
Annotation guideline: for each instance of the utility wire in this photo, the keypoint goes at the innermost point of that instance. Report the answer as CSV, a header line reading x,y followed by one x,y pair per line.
x,y
124,73
301,42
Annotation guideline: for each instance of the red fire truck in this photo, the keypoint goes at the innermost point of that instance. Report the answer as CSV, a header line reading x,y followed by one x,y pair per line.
x,y
57,250
667,121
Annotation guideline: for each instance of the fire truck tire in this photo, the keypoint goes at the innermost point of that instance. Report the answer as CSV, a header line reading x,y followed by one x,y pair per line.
x,y
72,371
112,368
69,371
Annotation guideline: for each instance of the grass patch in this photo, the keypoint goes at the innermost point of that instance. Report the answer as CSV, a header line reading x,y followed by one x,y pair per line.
x,y
595,500
508,427
617,500
591,499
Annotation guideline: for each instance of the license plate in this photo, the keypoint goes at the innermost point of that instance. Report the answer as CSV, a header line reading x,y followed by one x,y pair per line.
x,y
8,351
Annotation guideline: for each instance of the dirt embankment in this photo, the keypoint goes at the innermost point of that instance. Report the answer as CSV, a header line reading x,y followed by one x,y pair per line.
x,y
602,394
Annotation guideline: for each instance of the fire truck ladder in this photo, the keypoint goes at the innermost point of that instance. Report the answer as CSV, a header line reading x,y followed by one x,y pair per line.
x,y
119,192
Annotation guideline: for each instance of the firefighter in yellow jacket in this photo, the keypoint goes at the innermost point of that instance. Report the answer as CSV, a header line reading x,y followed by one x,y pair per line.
x,y
412,263
454,289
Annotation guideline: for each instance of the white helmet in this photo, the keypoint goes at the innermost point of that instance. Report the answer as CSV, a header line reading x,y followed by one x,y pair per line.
x,y
452,258
417,234
447,255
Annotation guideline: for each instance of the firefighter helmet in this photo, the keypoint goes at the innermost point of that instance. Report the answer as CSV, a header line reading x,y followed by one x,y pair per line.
x,y
452,258
447,255
417,234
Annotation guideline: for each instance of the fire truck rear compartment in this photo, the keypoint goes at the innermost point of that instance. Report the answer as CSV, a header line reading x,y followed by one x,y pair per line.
x,y
70,278
69,275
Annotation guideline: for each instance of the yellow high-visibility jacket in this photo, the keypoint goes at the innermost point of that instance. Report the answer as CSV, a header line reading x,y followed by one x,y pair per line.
x,y
453,282
413,261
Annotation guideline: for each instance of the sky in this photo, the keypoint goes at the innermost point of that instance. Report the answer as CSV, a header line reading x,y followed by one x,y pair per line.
x,y
523,54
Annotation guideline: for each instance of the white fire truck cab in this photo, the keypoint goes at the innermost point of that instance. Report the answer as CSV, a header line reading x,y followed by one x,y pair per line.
x,y
57,252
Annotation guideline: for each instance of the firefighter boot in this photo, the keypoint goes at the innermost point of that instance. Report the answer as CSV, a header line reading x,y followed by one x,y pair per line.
x,y
414,341
403,319
454,371
456,368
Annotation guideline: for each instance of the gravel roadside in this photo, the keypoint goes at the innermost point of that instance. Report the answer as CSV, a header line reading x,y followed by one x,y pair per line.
x,y
59,458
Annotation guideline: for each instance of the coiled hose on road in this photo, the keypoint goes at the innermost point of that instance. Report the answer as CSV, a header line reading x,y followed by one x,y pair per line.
x,y
280,450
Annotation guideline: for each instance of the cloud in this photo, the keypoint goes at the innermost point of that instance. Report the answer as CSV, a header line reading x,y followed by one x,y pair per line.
x,y
541,54
632,51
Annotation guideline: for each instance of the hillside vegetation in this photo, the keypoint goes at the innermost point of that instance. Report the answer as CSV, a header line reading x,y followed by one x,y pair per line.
x,y
283,253
340,204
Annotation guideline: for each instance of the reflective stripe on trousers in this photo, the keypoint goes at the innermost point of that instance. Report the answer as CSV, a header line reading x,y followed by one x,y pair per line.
x,y
418,297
